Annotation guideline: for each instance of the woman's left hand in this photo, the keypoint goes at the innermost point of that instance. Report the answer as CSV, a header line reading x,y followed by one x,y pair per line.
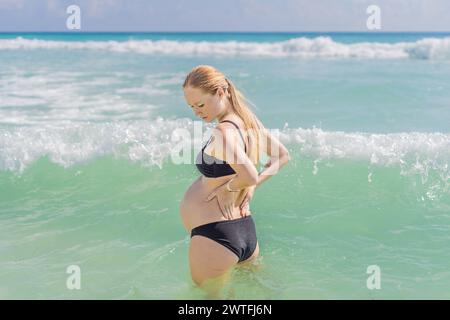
x,y
225,199
244,206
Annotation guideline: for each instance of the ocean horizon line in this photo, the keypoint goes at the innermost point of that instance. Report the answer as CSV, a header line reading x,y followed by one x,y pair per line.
x,y
228,32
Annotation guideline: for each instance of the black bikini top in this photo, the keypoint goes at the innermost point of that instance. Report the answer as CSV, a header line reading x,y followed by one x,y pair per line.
x,y
212,167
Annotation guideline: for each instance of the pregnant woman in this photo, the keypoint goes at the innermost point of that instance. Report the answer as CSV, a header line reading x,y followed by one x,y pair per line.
x,y
215,208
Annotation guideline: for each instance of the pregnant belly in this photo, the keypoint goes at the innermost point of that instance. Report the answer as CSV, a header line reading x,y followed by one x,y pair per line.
x,y
195,211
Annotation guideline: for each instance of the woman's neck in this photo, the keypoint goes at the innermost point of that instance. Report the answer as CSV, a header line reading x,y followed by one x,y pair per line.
x,y
226,116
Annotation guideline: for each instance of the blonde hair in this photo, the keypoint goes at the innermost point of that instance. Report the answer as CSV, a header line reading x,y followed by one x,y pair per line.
x,y
209,80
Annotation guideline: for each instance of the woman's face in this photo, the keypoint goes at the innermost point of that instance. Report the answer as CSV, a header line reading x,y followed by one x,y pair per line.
x,y
204,105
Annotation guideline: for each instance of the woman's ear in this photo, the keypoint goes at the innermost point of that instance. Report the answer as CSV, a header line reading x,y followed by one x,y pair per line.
x,y
220,92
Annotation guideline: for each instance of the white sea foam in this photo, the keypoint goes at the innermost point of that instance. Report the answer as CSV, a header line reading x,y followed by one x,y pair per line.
x,y
319,47
152,143
415,153
145,90
46,96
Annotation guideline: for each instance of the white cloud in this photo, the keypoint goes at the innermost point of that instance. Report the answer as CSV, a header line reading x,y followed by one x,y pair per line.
x,y
11,4
98,8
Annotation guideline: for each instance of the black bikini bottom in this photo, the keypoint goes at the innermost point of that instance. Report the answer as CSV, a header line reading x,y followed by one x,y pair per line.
x,y
238,235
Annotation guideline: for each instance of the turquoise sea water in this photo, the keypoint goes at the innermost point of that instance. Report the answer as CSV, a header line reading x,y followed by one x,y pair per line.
x,y
87,177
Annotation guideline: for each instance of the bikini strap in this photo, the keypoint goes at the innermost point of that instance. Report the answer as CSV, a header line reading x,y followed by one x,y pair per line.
x,y
245,145
209,140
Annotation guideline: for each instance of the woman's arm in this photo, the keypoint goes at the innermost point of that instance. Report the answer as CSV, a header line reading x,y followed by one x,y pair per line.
x,y
246,172
247,175
233,153
279,156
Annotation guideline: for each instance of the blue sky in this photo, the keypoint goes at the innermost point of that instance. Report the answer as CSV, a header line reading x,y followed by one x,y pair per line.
x,y
228,15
